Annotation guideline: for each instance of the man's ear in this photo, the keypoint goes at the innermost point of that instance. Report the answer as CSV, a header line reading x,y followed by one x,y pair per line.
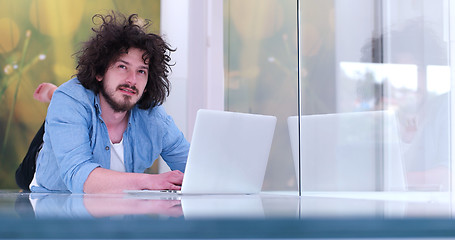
x,y
99,78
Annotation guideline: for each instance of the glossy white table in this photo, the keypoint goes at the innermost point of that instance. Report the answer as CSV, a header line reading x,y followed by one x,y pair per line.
x,y
266,215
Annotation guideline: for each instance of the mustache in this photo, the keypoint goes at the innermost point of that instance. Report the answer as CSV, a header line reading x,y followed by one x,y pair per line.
x,y
127,86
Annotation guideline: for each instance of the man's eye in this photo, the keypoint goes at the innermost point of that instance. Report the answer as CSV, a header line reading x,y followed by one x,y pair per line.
x,y
122,66
142,72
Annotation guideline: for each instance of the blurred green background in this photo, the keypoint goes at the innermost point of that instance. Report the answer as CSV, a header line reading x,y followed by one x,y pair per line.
x,y
37,42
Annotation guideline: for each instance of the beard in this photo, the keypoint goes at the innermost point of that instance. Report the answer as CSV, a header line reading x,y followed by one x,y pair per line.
x,y
123,105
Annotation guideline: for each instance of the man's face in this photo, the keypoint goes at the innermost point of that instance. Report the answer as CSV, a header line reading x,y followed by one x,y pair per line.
x,y
124,81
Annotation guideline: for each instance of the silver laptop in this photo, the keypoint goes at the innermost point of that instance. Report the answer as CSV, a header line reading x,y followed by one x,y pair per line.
x,y
357,151
228,154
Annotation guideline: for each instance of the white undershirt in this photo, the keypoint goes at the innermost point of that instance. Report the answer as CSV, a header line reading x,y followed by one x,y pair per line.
x,y
117,162
34,183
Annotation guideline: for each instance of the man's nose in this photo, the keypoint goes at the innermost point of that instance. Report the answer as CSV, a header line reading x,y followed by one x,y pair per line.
x,y
131,78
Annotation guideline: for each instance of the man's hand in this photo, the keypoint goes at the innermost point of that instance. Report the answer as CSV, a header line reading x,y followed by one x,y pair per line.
x,y
44,92
166,181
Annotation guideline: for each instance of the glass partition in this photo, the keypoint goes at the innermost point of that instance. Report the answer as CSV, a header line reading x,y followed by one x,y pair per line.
x,y
261,73
369,99
375,85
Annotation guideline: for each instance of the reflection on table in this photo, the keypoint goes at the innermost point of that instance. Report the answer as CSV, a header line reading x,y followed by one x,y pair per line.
x,y
268,205
160,206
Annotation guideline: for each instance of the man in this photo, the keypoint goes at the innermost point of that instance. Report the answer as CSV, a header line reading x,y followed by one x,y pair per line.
x,y
106,126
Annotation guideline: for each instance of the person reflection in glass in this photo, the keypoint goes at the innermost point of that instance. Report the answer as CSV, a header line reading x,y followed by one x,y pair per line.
x,y
423,114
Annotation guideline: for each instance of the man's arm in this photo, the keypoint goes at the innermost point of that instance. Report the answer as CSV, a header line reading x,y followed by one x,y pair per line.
x,y
175,146
103,180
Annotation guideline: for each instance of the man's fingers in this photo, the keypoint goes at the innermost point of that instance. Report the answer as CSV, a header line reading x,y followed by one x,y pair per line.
x,y
177,172
169,180
174,187
176,178
37,91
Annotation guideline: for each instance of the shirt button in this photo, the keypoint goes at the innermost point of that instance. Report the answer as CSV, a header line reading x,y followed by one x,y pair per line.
x,y
107,148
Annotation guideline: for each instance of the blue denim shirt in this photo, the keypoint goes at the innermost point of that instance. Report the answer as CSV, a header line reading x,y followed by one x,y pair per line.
x,y
76,140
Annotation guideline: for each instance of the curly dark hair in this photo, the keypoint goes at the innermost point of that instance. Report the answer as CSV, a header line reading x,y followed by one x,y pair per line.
x,y
114,36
